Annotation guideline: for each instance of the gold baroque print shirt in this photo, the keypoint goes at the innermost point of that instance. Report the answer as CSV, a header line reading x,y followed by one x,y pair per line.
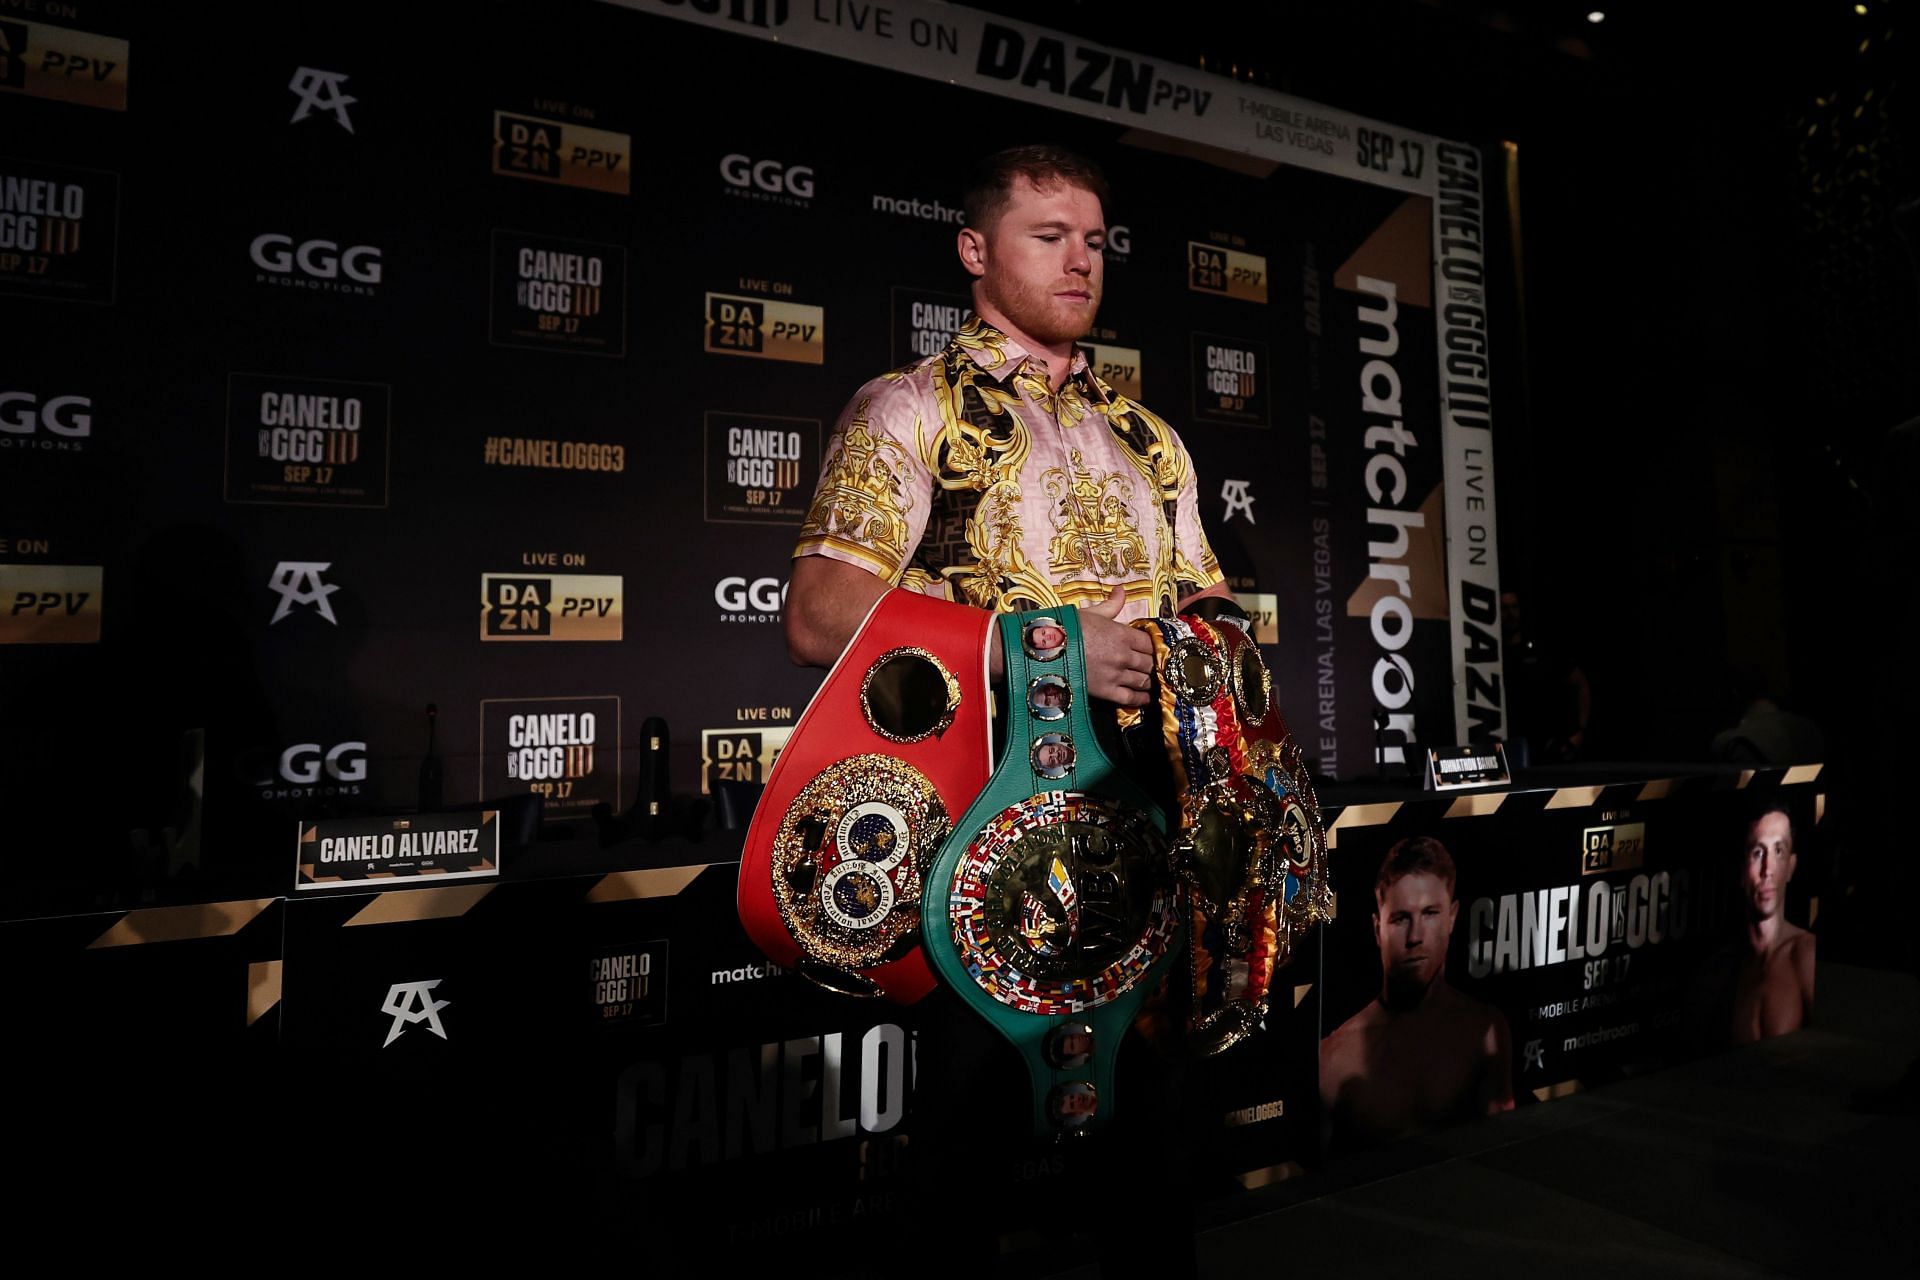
x,y
964,476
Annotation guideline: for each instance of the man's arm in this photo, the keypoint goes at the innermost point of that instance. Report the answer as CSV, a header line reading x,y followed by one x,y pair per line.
x,y
827,600
1218,589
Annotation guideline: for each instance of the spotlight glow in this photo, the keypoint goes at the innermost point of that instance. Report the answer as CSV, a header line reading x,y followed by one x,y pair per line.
x,y
1596,16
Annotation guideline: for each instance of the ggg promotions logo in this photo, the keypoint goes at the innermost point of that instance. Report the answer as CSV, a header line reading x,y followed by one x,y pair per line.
x,y
924,322
766,328
566,750
760,468
757,601
561,152
562,606
30,423
62,64
768,181
319,265
311,770
50,603
559,295
1212,268
58,226
1230,381
306,441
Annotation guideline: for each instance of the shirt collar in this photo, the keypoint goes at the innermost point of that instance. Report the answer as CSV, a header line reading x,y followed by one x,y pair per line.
x,y
1000,356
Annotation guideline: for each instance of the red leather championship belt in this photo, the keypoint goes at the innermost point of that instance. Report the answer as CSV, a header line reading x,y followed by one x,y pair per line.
x,y
894,745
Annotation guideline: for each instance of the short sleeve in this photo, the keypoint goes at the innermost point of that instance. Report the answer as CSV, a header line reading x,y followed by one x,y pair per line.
x,y
1195,568
875,491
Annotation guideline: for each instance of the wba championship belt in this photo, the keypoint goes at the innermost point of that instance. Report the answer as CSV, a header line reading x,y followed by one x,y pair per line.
x,y
1049,910
861,798
1247,854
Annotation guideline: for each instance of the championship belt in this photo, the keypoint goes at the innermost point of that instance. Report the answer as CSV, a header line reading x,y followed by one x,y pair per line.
x,y
862,797
1049,910
1248,826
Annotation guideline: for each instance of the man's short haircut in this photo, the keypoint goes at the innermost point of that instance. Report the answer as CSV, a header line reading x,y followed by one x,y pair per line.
x,y
991,184
1759,809
1410,857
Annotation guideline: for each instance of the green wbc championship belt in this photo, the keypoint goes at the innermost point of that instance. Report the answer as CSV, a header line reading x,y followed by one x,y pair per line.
x,y
1050,909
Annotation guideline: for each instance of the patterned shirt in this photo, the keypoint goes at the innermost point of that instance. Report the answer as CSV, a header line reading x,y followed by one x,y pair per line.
x,y
965,476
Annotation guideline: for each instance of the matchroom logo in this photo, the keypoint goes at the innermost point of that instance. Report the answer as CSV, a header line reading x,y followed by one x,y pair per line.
x,y
559,295
58,227
50,603
1212,268
310,442
566,750
766,328
1230,381
561,606
561,152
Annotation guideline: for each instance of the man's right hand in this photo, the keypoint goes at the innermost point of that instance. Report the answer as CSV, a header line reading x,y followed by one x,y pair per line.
x,y
1119,657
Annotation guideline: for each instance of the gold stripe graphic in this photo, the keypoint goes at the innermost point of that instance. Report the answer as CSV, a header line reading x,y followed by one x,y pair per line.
x,y
1820,808
1574,797
178,924
1565,1089
1271,1174
1801,773
663,882
1300,993
263,989
1746,776
1476,806
1362,815
421,904
1658,789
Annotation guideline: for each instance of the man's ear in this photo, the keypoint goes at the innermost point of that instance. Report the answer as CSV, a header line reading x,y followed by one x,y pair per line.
x,y
973,251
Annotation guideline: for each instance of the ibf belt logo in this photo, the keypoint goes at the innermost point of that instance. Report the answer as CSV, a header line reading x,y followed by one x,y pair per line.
x,y
1264,609
565,750
64,65
411,1003
1118,367
298,583
1619,848
309,770
768,181
757,601
32,423
50,603
739,755
306,441
924,322
561,152
559,295
1238,495
766,328
322,266
760,469
1230,377
1230,273
567,606
58,226
322,91
629,985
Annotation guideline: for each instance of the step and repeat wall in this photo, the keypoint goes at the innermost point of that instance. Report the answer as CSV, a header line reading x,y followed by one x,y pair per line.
x,y
479,367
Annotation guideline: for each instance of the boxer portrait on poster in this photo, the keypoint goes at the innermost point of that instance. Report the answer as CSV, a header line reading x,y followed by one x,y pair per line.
x,y
1421,1053
1773,984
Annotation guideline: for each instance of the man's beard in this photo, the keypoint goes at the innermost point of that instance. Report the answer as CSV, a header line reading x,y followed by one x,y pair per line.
x,y
1036,313
1406,988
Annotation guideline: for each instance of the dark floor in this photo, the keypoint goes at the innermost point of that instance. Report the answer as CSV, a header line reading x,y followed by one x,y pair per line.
x,y
1757,1162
